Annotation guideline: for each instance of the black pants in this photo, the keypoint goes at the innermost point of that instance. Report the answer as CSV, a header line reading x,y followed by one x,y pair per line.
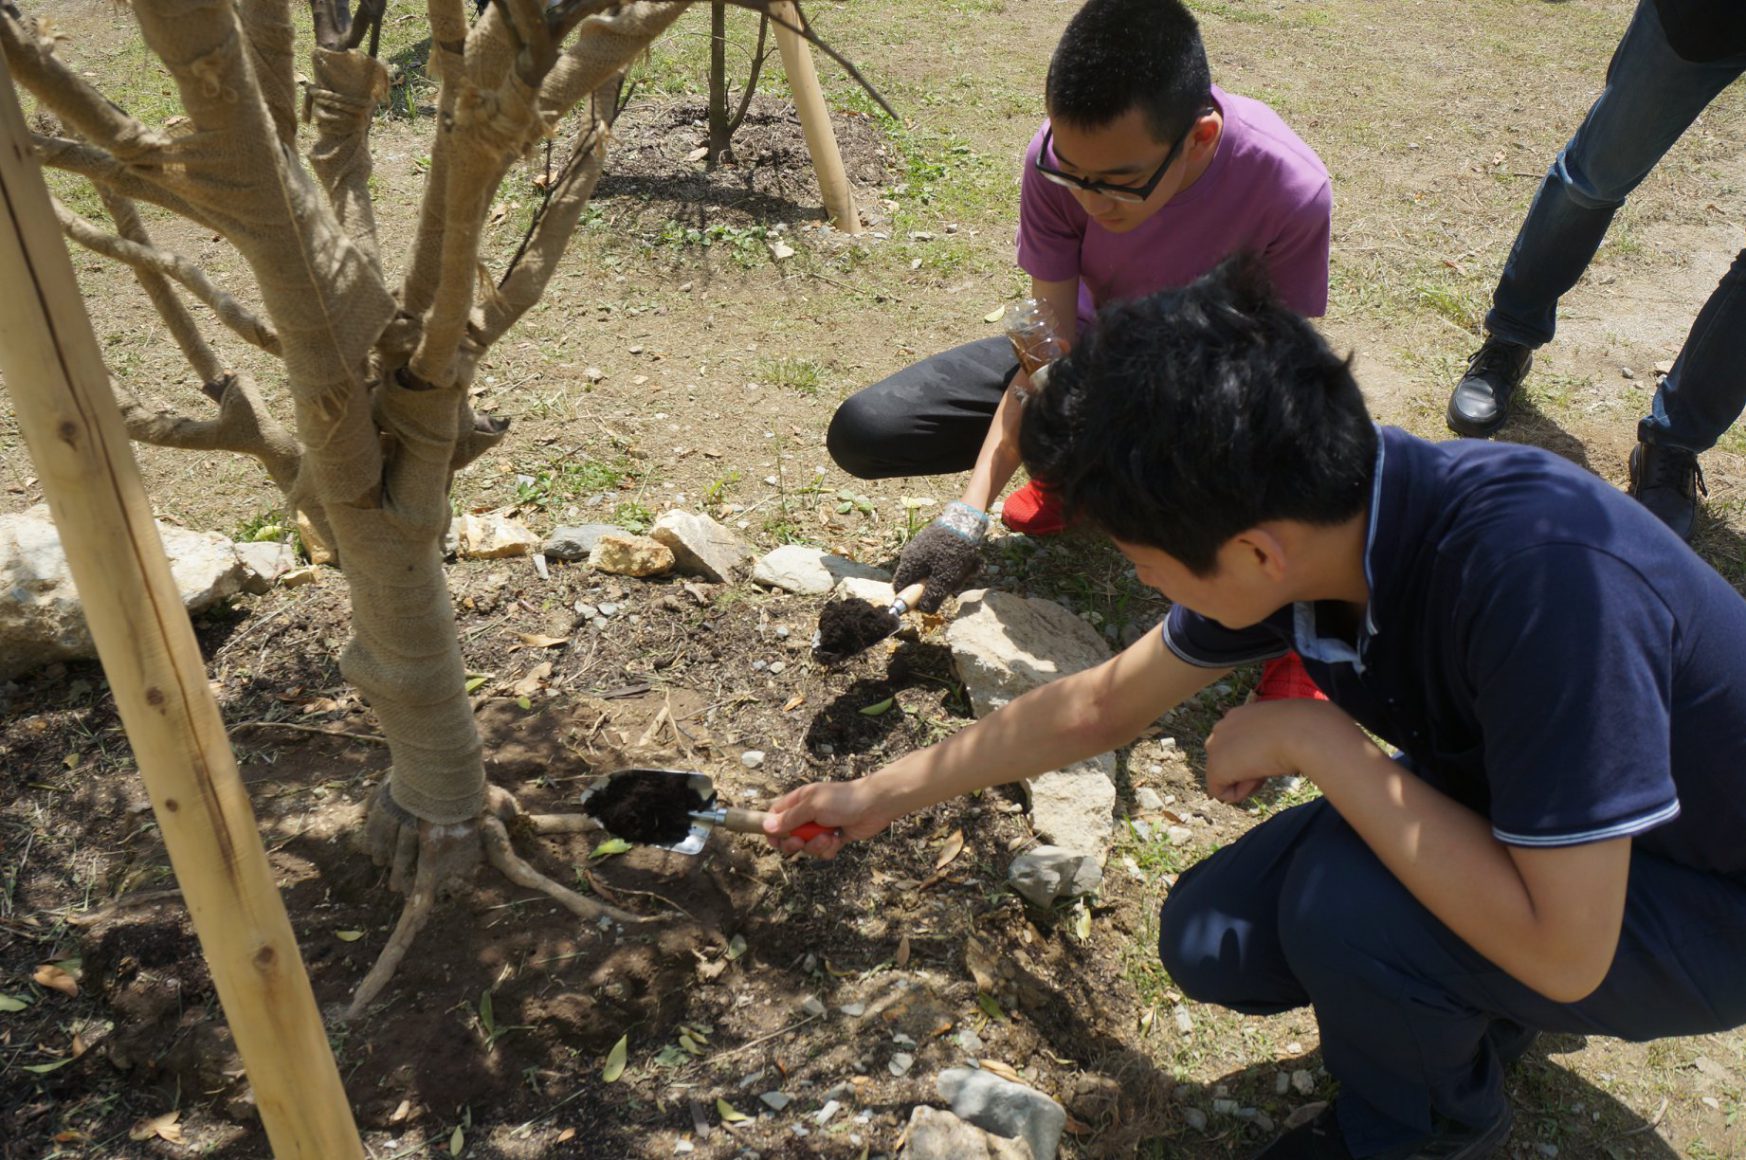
x,y
927,419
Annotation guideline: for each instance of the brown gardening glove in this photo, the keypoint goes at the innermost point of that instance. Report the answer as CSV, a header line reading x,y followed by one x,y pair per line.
x,y
946,554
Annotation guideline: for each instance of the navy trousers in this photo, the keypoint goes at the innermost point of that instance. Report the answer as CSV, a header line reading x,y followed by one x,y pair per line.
x,y
1299,911
927,419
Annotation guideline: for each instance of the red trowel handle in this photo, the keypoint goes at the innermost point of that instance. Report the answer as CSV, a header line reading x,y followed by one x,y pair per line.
x,y
752,822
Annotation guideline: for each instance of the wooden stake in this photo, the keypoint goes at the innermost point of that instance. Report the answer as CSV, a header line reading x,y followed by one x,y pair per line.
x,y
815,119
60,391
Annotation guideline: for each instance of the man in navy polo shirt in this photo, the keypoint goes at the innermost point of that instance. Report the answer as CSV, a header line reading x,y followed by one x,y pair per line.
x,y
1556,845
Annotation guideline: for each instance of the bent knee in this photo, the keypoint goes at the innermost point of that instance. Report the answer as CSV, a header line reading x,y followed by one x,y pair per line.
x,y
856,436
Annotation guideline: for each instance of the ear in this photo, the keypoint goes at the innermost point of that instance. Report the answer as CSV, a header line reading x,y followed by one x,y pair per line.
x,y
1207,130
1261,551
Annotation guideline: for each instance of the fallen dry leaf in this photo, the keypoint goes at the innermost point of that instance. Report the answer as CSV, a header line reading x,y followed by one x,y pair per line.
x,y
566,1135
953,847
1078,1127
903,951
794,702
1004,1070
531,683
163,1127
55,979
981,965
540,640
401,1111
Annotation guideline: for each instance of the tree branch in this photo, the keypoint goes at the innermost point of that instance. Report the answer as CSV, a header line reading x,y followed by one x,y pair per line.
x,y
232,313
243,425
272,42
73,98
340,103
101,169
182,326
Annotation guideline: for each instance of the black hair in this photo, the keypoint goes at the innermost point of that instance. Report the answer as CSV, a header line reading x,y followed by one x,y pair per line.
x,y
1117,54
1191,415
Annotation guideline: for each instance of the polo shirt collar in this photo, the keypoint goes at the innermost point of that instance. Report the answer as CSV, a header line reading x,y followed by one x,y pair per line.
x,y
1395,490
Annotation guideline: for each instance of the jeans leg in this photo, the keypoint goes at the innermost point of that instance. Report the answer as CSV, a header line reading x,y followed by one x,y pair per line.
x,y
1410,1014
1706,390
1651,97
927,419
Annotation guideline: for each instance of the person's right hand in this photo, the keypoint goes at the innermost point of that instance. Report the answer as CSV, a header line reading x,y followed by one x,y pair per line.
x,y
945,554
848,808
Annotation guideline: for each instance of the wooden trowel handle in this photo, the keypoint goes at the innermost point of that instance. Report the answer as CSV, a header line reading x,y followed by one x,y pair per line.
x,y
908,597
752,822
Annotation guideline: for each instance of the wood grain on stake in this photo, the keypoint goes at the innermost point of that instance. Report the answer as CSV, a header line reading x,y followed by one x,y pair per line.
x,y
60,392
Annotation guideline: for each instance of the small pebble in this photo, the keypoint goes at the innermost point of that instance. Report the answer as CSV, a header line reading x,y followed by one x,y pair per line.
x,y
585,610
777,1100
902,1040
812,1006
1303,1082
683,1147
853,1010
1281,1083
1184,1021
1225,1107
781,632
1194,1118
609,610
1627,372
752,758
778,666
824,1114
901,1063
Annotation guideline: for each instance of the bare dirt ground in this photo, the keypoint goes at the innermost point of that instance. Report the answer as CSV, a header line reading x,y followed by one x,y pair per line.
x,y
678,363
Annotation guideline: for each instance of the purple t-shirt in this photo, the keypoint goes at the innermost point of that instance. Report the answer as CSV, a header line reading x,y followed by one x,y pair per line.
x,y
1265,191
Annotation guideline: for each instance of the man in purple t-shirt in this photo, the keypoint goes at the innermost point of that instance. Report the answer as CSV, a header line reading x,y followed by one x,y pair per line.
x,y
1144,177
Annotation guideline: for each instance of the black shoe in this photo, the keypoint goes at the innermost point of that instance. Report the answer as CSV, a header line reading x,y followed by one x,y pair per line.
x,y
1481,401
1320,1139
1668,481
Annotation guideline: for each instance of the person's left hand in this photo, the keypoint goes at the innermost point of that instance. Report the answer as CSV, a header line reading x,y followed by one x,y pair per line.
x,y
1255,742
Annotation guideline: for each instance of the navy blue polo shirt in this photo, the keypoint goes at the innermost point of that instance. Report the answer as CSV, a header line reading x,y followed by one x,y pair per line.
x,y
1539,647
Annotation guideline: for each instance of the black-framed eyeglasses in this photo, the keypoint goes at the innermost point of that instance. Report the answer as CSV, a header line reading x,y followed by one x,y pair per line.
x,y
1132,194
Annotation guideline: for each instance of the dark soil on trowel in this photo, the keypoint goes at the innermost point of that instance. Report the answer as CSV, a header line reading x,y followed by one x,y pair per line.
x,y
648,807
848,626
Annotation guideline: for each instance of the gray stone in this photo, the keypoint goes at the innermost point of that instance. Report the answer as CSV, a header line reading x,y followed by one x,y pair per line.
x,y
872,591
1047,874
1148,799
901,1062
1004,1108
752,758
809,571
1074,808
263,564
777,1100
41,619
574,543
1194,1118
934,1134
1004,646
702,547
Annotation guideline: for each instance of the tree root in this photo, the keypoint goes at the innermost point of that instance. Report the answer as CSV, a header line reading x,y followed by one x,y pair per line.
x,y
433,859
514,868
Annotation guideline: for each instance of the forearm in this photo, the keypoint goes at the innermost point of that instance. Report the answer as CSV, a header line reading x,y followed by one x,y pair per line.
x,y
1445,854
1051,727
999,456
